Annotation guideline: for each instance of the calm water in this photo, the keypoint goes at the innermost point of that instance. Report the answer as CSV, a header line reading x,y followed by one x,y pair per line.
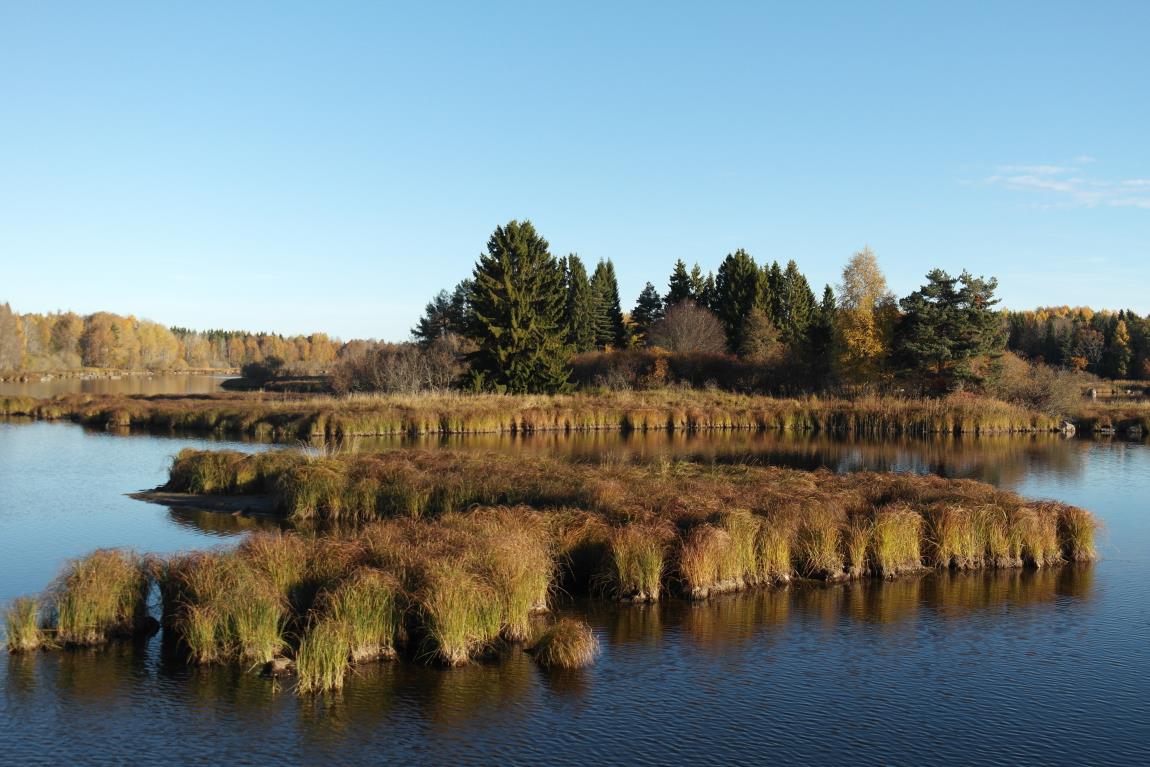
x,y
1047,667
128,384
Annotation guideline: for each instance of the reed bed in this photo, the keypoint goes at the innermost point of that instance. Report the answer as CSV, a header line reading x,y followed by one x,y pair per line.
x,y
291,417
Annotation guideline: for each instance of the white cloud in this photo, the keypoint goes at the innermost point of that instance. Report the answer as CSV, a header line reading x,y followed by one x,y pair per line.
x,y
1067,186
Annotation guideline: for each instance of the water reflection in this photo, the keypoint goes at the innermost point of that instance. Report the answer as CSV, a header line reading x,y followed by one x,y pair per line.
x,y
159,383
221,524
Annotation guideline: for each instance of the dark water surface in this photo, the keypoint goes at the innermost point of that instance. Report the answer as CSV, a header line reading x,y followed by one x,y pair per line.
x,y
1043,667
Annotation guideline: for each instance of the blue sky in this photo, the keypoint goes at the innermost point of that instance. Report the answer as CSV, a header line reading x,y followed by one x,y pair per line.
x,y
300,166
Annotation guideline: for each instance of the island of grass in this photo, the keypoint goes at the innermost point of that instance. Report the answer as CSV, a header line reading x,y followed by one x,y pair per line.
x,y
440,556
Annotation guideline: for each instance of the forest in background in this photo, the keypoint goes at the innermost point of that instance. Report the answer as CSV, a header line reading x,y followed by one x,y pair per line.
x,y
528,321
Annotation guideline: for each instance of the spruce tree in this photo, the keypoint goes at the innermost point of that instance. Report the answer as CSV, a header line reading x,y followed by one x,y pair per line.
x,y
820,339
580,309
738,289
679,285
796,307
445,314
516,315
610,328
774,298
707,297
648,310
697,282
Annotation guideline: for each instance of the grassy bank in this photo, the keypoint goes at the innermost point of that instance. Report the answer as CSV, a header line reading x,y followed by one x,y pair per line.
x,y
290,417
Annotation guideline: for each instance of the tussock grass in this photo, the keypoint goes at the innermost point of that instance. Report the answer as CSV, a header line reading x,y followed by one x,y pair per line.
x,y
566,644
895,542
1077,528
367,604
22,626
100,597
461,613
637,554
324,657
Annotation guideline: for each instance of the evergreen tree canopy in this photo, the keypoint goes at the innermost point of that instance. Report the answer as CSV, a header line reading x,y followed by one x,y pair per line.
x,y
445,314
773,295
947,323
698,283
796,306
648,310
610,329
738,289
679,285
708,296
581,307
516,313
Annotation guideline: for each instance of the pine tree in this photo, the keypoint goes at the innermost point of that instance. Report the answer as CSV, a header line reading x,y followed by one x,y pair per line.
x,y
610,328
648,310
947,323
739,288
580,308
678,286
516,315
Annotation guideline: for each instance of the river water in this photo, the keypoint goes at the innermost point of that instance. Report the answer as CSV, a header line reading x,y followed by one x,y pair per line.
x,y
1043,667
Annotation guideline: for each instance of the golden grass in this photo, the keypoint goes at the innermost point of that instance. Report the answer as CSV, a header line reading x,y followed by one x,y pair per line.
x,y
288,417
566,644
100,597
22,626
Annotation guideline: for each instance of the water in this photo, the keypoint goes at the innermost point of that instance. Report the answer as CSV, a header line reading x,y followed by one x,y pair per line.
x,y
1012,667
159,383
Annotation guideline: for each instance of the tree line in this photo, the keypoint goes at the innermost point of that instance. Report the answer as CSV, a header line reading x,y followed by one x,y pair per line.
x,y
66,341
523,314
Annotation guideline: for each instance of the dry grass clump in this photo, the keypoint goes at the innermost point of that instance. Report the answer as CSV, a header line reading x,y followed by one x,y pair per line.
x,y
461,614
566,644
1077,528
100,597
22,626
323,658
895,541
637,556
368,605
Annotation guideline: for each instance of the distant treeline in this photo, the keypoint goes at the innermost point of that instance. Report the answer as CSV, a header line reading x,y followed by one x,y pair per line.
x,y
68,341
527,321
1110,344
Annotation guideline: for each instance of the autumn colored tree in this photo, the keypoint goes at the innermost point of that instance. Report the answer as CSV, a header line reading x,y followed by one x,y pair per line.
x,y
864,320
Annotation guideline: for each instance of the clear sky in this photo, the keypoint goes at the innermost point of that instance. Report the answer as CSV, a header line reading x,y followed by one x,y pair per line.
x,y
300,166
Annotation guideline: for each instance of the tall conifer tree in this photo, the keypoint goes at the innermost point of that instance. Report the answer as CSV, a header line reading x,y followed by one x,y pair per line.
x,y
516,314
